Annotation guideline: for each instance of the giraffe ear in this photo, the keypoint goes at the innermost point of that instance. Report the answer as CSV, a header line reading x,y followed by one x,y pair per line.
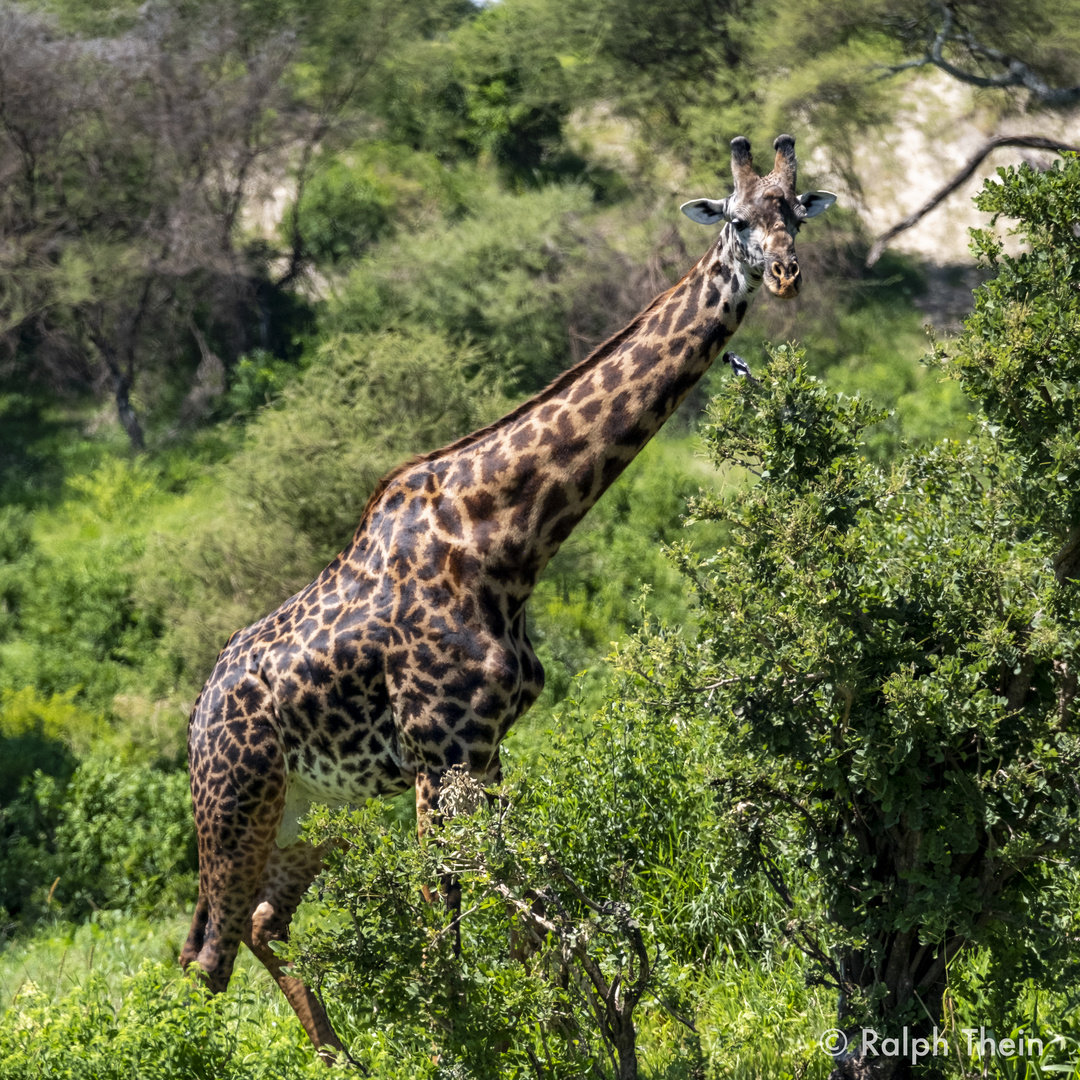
x,y
705,211
813,203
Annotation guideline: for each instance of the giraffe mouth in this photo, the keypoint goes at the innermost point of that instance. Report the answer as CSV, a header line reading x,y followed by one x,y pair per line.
x,y
783,285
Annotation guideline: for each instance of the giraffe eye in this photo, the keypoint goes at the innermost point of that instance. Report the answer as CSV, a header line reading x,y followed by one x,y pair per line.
x,y
739,223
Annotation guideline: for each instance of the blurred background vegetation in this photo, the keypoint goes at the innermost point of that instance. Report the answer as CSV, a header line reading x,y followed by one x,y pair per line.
x,y
253,254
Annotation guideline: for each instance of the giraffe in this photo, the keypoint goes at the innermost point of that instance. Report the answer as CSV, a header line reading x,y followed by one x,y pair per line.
x,y
408,655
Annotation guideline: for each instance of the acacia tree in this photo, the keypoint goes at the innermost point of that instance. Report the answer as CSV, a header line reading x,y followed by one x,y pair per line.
x,y
845,67
125,164
889,657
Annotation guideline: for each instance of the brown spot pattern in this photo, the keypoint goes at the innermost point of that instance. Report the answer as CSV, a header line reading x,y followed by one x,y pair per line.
x,y
408,654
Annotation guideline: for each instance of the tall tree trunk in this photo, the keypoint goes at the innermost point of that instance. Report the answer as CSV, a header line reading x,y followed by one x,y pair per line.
x,y
121,382
126,413
909,971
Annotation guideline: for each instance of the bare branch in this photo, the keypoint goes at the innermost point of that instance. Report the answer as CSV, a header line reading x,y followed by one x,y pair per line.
x,y
804,941
456,921
1014,71
1034,142
675,1014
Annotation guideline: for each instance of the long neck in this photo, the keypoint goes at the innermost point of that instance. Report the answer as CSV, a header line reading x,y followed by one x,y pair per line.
x,y
533,476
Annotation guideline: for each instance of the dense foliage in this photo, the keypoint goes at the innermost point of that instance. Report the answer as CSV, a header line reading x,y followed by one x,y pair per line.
x,y
889,656
613,882
160,1027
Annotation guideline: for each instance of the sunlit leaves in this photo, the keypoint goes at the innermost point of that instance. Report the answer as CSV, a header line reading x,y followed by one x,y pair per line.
x,y
887,655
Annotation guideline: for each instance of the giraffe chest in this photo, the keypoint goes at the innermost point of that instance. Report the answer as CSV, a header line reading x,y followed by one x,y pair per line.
x,y
365,702
336,726
335,723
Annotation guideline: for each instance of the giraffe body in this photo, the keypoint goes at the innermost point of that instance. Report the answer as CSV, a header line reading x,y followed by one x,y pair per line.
x,y
408,655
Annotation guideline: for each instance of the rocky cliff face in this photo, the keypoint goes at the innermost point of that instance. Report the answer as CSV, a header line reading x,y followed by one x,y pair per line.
x,y
945,125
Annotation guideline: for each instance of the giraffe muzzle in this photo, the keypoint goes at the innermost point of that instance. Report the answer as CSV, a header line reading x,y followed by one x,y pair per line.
x,y
783,278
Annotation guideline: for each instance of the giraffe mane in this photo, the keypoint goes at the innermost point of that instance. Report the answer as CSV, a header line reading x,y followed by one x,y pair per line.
x,y
556,386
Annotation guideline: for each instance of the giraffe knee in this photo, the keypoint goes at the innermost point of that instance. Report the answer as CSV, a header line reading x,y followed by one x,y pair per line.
x,y
269,924
266,926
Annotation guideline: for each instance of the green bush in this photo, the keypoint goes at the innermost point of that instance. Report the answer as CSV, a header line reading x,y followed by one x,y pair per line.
x,y
344,210
44,734
158,1026
66,582
1020,353
502,281
124,839
16,539
112,838
366,403
612,829
256,380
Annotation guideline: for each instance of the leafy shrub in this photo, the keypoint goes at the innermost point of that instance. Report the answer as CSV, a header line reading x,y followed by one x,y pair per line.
x,y
366,403
884,658
497,280
160,1026
39,733
1020,353
107,833
614,832
15,541
345,208
71,620
257,379
124,839
15,533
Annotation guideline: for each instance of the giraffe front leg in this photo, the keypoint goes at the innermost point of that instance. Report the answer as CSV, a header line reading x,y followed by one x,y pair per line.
x,y
429,815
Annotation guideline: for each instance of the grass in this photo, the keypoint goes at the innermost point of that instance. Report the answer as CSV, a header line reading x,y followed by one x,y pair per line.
x,y
61,957
68,989
762,1020
753,1021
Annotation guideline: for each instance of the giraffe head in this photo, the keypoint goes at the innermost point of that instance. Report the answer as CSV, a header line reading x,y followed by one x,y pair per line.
x,y
763,215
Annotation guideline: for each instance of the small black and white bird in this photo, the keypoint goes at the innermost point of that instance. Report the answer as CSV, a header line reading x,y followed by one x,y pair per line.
x,y
738,365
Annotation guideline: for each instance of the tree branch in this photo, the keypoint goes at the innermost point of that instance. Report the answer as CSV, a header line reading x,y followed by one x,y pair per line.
x,y
1014,72
1034,142
1067,560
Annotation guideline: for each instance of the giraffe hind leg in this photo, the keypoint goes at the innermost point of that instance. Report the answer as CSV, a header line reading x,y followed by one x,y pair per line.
x,y
249,888
197,933
430,811
238,793
288,874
